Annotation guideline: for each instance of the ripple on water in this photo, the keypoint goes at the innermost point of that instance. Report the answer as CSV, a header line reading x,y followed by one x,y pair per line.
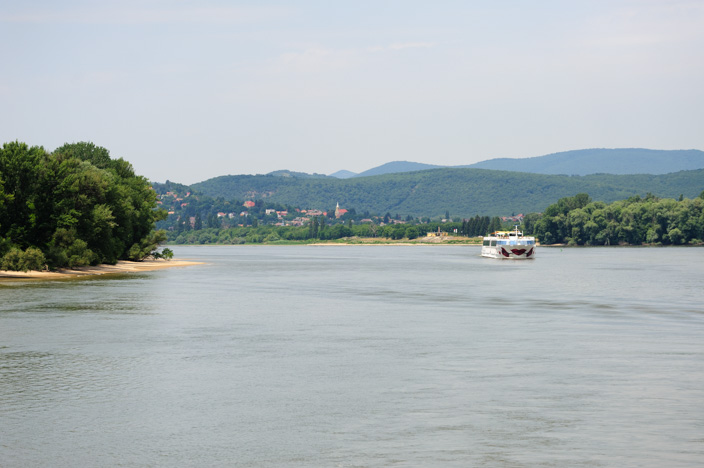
x,y
295,356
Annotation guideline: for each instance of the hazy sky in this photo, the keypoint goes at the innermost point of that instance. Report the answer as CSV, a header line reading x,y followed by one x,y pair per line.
x,y
188,90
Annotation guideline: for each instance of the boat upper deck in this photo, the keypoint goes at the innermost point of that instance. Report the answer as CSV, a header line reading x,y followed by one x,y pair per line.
x,y
508,238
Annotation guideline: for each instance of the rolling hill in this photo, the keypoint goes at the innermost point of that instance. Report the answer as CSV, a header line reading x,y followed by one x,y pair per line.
x,y
343,174
602,161
396,167
577,162
461,191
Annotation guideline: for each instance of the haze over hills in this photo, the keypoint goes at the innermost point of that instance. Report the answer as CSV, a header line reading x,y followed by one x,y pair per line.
x,y
576,162
393,167
343,174
396,167
303,175
400,187
602,161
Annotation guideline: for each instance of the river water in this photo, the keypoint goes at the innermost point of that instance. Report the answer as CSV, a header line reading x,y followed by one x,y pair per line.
x,y
360,356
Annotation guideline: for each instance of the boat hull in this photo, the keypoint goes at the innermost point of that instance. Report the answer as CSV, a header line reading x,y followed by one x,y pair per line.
x,y
509,252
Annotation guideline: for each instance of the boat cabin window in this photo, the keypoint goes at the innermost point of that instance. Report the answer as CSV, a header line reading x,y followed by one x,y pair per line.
x,y
486,242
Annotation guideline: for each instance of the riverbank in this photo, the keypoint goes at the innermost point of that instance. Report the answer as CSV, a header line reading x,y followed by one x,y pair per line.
x,y
119,267
433,240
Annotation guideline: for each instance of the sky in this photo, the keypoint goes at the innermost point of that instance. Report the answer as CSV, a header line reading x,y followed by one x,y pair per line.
x,y
189,90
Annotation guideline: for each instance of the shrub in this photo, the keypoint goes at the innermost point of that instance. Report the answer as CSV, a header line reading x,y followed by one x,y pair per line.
x,y
16,260
12,260
166,254
79,254
33,259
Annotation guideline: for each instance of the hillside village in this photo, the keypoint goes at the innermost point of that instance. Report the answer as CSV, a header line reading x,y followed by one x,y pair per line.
x,y
189,211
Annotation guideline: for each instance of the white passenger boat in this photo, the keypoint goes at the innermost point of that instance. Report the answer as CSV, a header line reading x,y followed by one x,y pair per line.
x,y
508,244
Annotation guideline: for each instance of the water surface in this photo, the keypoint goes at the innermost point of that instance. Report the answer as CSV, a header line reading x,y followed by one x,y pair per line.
x,y
358,356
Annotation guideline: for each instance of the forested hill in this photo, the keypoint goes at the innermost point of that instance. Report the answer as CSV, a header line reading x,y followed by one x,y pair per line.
x,y
395,167
602,161
462,192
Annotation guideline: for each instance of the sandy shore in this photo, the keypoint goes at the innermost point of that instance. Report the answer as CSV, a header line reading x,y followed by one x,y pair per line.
x,y
120,267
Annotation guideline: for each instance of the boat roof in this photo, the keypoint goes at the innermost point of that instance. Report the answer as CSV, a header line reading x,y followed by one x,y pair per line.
x,y
506,233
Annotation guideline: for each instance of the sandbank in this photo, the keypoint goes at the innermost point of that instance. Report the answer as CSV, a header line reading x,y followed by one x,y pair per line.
x,y
120,267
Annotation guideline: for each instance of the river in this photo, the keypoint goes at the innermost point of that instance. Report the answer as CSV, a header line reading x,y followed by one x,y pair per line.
x,y
360,356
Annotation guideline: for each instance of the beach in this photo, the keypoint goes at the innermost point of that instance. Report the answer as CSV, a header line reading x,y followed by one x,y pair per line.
x,y
120,267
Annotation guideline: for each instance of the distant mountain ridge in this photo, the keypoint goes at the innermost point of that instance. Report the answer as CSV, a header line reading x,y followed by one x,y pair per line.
x,y
418,189
343,174
302,175
463,192
576,162
602,161
395,167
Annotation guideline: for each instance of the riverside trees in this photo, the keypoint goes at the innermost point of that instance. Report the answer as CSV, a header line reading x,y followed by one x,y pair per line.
x,y
73,207
651,220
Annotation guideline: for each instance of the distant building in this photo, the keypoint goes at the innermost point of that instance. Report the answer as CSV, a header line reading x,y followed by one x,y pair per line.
x,y
248,204
339,211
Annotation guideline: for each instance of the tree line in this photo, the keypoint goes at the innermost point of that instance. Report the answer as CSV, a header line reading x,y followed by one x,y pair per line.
x,y
71,207
573,220
637,220
318,228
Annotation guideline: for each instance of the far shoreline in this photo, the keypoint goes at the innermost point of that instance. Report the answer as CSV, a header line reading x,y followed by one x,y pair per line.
x,y
120,267
431,240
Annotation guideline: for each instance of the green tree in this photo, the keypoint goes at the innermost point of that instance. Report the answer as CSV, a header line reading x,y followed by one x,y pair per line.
x,y
313,228
495,224
16,260
76,205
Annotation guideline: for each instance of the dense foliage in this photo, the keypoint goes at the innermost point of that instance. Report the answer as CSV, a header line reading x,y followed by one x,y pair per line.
x,y
73,207
651,220
198,219
463,192
187,210
317,229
